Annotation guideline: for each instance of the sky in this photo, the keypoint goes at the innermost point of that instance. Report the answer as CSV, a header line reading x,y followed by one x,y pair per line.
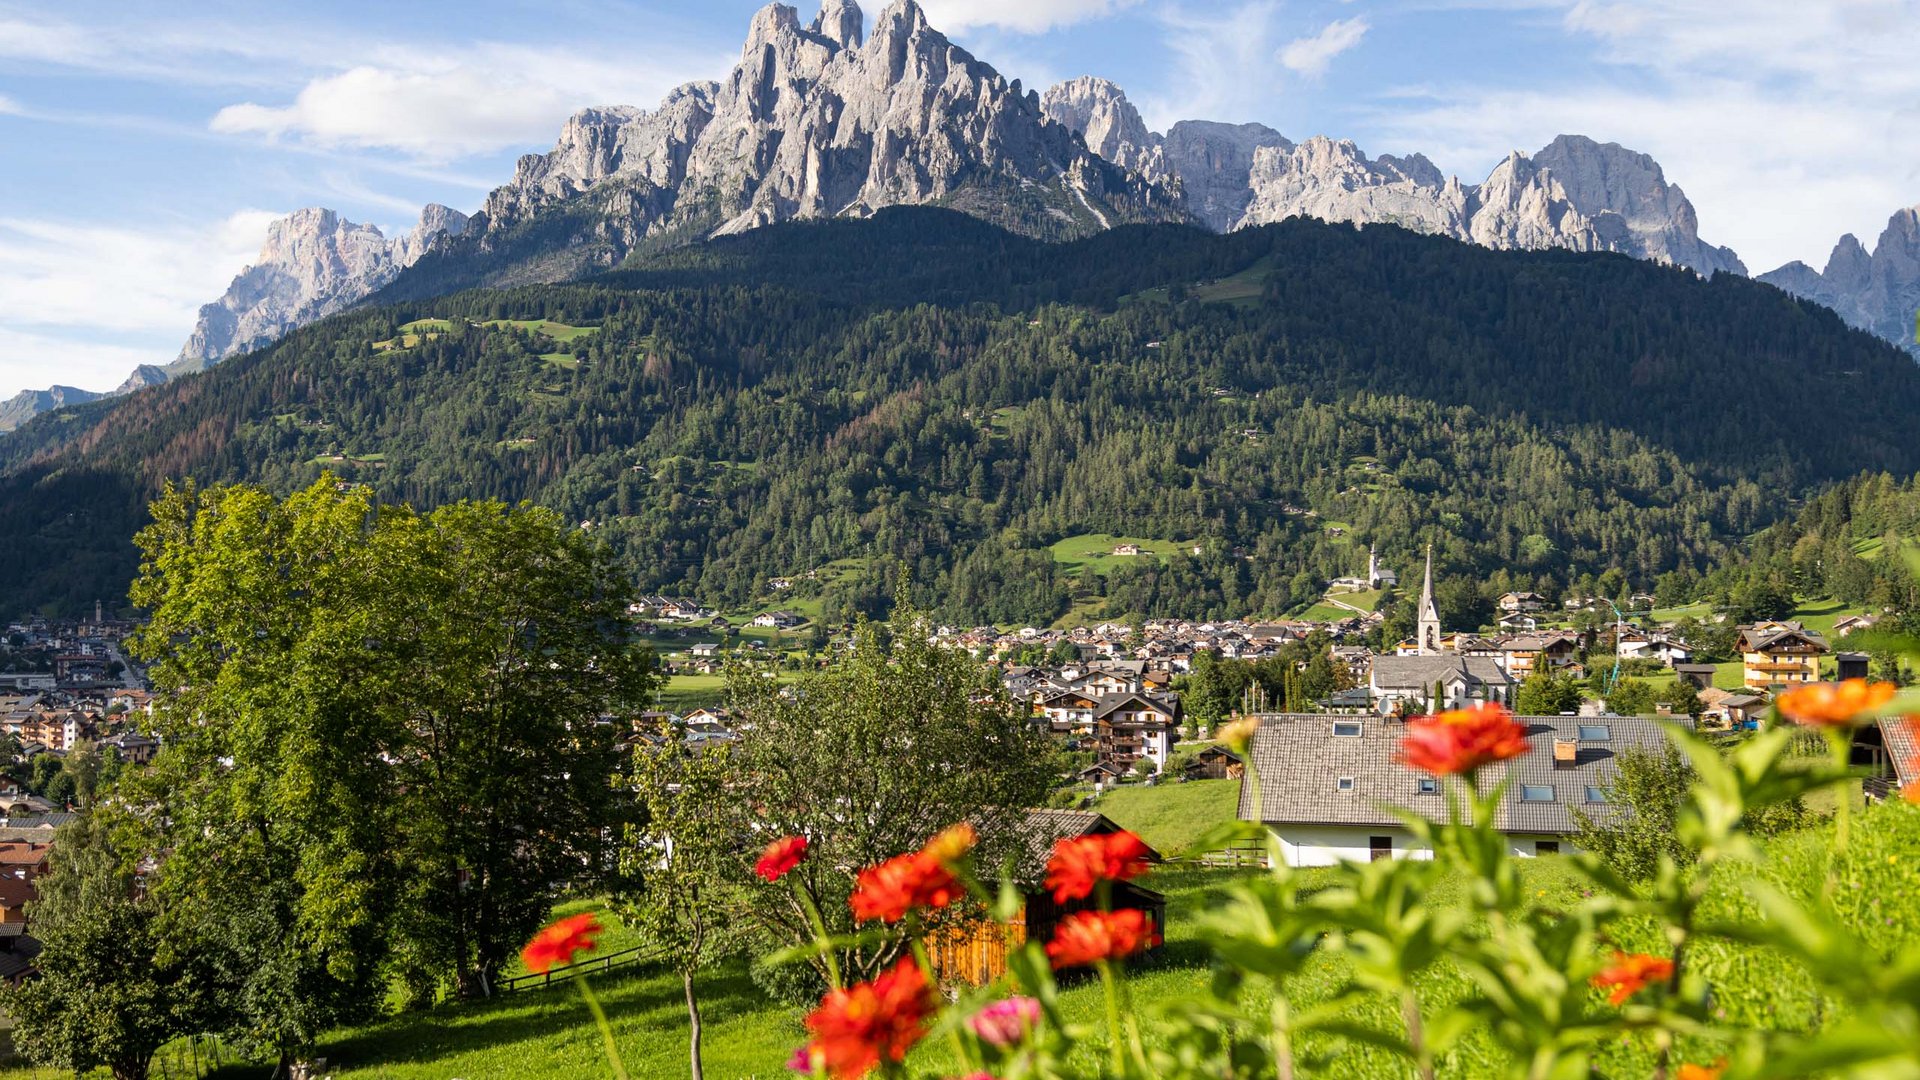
x,y
144,147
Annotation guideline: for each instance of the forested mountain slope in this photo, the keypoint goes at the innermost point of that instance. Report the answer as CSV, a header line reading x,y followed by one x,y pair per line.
x,y
926,388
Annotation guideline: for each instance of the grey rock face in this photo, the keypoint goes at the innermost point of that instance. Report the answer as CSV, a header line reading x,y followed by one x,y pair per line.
x,y
825,119
313,264
1575,193
28,404
1879,293
1214,164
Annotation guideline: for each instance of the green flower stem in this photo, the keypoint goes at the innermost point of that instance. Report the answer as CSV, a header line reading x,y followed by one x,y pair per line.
x,y
925,961
1113,1017
606,1029
1841,740
820,938
1282,1034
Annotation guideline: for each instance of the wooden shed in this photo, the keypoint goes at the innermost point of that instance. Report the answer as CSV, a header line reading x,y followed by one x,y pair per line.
x,y
976,954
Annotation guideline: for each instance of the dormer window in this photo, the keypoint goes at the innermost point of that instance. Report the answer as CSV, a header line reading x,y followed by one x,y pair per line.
x,y
1346,729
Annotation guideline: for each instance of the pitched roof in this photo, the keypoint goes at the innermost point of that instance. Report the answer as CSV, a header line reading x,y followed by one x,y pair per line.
x,y
1421,672
1301,763
1042,829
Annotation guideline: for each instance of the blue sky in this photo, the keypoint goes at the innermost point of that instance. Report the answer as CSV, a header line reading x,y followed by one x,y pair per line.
x,y
145,146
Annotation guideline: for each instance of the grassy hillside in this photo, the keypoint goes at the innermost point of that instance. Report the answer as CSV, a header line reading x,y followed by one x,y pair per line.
x,y
1172,816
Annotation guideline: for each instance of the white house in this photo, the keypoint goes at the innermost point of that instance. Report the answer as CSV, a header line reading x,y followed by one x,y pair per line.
x,y
1323,783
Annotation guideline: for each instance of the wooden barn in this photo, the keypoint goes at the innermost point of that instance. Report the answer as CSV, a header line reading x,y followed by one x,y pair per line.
x,y
977,954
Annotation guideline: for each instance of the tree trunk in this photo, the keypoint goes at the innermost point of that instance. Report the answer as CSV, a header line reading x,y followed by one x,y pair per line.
x,y
132,1068
693,1023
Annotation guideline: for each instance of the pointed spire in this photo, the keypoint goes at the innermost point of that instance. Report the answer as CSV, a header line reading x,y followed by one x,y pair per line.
x,y
1427,617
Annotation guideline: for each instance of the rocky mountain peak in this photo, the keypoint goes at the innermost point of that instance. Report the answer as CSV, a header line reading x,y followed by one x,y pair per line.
x,y
314,262
1099,110
1877,292
841,22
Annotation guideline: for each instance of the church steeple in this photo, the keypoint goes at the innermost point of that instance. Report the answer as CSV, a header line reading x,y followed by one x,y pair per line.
x,y
1427,630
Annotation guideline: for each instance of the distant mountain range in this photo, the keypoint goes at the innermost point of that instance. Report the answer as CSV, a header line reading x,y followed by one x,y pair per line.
x,y
831,119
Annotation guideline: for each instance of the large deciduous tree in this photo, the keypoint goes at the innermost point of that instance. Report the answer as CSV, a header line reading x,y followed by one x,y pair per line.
x,y
384,737
894,740
114,984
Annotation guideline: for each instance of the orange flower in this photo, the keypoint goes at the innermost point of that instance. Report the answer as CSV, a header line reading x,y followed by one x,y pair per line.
x,y
1089,936
921,879
1462,740
1080,862
856,1029
1690,1071
556,945
781,856
1834,704
1632,973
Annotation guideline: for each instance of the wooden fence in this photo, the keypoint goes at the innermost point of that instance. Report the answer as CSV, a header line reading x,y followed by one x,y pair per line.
x,y
639,954
1244,854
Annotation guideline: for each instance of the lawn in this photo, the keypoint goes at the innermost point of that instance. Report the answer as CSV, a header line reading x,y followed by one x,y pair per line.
x,y
1172,817
547,1033
1096,550
686,692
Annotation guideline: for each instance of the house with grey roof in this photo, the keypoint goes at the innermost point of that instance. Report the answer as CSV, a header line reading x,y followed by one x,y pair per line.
x,y
1403,684
1326,785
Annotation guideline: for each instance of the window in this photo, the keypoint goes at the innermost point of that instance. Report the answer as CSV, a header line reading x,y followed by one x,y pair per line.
x,y
1347,729
1595,733
1345,783
1546,847
1429,786
1536,793
1596,794
1380,847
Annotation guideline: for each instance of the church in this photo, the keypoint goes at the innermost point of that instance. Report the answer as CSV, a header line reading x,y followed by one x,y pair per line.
x,y
1426,675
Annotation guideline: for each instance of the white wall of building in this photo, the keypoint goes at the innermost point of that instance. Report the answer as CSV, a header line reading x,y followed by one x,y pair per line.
x,y
1326,845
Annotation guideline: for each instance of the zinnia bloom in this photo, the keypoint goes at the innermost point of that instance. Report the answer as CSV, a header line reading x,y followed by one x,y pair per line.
x,y
556,945
920,879
1690,1071
1089,936
1005,1022
1462,740
781,856
1834,704
1080,862
856,1029
1632,973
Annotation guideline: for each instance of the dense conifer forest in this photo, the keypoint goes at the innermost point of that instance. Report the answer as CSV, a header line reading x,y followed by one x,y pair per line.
x,y
923,390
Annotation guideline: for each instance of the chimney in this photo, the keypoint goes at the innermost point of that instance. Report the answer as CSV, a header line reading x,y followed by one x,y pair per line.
x,y
1564,753
1663,708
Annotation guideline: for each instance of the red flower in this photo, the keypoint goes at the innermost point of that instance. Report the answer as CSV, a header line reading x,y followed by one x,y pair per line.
x,y
1088,936
856,1029
1462,740
1632,973
556,945
921,879
781,856
1834,704
1078,863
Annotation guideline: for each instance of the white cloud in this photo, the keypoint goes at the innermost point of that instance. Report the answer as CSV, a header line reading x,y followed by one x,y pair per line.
x,y
82,303
1310,56
1223,64
1787,126
10,107
489,98
1021,16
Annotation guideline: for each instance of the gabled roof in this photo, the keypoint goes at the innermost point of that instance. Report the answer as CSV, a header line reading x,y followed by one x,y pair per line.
x,y
1112,703
1042,829
1299,762
1421,672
